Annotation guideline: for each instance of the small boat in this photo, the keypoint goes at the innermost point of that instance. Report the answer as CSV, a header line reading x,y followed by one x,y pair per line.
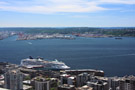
x,y
118,38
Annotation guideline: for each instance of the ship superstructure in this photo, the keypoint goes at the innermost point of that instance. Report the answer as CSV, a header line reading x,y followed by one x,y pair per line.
x,y
32,63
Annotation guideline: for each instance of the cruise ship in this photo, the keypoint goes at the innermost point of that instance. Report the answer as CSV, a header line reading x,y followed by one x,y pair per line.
x,y
40,63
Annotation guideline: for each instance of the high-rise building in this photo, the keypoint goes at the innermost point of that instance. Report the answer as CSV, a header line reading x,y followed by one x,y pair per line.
x,y
71,81
42,85
14,80
127,83
82,79
122,83
114,83
64,78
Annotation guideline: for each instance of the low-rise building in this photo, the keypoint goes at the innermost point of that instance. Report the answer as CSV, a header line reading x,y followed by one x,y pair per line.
x,y
84,88
89,71
99,85
66,87
4,89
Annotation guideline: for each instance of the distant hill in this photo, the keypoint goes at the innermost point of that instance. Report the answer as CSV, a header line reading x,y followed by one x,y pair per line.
x,y
116,31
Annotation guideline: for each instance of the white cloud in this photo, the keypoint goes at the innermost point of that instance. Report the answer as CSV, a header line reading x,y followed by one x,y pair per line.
x,y
53,6
79,16
118,1
58,6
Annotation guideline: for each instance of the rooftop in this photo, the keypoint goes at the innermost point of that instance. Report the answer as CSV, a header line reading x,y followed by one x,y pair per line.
x,y
3,89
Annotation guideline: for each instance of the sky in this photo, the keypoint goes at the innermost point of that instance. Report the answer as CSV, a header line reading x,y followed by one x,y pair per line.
x,y
67,13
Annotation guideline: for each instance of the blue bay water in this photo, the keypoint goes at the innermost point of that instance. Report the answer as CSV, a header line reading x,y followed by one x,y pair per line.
x,y
115,57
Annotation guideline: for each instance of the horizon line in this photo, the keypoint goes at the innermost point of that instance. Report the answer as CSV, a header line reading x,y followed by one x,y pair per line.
x,y
73,27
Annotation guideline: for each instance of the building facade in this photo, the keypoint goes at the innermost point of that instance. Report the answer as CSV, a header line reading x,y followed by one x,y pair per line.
x,y
42,85
14,80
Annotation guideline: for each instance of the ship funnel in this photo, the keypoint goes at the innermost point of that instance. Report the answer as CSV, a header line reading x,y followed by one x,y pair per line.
x,y
30,57
56,60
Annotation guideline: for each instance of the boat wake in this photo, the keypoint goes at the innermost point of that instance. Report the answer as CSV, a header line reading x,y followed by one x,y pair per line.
x,y
29,43
126,55
115,55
